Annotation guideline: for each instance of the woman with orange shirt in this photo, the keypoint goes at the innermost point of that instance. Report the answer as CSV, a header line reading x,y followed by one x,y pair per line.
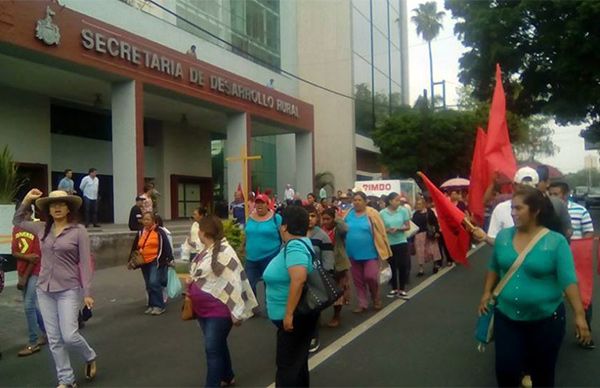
x,y
153,244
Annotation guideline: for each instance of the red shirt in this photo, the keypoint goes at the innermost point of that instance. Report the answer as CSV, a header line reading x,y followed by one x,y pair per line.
x,y
25,242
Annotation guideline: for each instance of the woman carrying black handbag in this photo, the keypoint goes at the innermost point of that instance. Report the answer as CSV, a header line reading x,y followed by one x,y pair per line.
x,y
426,241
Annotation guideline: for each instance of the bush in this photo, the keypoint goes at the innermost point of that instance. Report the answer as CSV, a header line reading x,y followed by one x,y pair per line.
x,y
235,235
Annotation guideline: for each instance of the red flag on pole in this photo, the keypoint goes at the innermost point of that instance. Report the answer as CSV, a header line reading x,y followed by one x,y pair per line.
x,y
479,179
450,218
583,255
498,150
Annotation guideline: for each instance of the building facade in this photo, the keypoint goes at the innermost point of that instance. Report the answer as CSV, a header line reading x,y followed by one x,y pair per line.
x,y
114,85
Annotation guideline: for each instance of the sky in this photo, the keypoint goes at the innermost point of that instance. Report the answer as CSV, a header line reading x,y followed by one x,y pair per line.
x,y
447,50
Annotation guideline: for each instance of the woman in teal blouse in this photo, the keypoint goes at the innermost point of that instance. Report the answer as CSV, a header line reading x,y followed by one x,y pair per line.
x,y
530,314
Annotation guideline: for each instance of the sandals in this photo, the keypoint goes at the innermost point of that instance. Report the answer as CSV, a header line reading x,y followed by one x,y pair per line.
x,y
333,323
229,383
90,370
377,305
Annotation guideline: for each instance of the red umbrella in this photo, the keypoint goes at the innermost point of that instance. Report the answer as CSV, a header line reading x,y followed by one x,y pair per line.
x,y
455,182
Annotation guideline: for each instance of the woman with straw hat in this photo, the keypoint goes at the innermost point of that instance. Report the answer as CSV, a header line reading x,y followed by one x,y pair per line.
x,y
65,278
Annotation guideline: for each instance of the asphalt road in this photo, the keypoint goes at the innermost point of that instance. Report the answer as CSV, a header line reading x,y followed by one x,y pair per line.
x,y
427,341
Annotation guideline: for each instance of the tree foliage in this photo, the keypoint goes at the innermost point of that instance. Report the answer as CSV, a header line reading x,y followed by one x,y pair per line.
x,y
537,141
428,20
548,51
437,142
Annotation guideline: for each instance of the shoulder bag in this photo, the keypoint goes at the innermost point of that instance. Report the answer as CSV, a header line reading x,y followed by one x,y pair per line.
x,y
484,332
136,259
320,290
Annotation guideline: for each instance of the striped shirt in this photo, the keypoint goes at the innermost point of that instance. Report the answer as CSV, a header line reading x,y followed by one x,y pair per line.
x,y
581,221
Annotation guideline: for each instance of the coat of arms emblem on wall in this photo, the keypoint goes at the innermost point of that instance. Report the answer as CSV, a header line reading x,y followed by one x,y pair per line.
x,y
46,30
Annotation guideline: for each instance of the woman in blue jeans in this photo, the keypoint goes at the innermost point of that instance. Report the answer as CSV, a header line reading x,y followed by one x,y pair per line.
x,y
221,297
26,249
530,313
65,278
153,243
263,240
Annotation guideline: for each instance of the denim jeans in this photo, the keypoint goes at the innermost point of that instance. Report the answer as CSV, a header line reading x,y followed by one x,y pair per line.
x,y
255,270
154,277
90,207
60,311
218,360
32,311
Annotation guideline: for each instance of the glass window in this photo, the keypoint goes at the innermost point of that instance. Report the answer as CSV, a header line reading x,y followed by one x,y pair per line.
x,y
363,6
382,106
264,171
381,53
361,35
380,17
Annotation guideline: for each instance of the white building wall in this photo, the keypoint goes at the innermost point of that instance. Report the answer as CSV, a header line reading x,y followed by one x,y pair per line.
x,y
25,126
328,62
119,14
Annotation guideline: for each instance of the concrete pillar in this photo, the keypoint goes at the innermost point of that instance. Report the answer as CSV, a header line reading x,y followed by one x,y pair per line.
x,y
238,133
304,163
127,146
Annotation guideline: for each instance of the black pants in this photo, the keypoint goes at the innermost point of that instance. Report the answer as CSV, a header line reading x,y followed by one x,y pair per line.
x,y
400,266
444,250
292,352
90,207
528,346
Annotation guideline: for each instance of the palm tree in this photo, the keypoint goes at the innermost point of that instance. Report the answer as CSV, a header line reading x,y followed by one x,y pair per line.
x,y
429,23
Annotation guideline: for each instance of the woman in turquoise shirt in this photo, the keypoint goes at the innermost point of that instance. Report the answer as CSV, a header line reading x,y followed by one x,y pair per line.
x,y
262,239
530,314
396,219
285,277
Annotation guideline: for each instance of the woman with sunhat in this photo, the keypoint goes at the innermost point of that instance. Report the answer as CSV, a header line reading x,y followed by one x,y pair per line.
x,y
65,278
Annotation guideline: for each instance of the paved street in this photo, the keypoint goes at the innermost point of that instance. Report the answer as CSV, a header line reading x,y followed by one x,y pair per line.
x,y
427,341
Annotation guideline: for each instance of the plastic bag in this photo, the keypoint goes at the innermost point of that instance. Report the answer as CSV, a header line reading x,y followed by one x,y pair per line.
x,y
385,274
174,287
186,251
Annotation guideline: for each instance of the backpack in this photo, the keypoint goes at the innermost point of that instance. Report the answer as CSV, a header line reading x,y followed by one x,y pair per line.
x,y
320,290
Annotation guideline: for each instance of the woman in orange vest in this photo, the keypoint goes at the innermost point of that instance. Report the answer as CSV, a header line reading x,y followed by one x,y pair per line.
x,y
153,244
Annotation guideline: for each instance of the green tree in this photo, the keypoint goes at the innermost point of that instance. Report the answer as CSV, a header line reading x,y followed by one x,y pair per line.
x,y
439,143
548,51
537,141
429,23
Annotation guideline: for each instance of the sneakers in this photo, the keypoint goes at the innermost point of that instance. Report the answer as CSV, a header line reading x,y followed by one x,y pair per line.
x,y
29,350
148,310
74,385
157,311
392,294
314,345
403,295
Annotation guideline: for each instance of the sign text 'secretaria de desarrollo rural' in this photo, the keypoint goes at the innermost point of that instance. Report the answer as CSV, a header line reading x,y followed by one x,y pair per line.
x,y
118,48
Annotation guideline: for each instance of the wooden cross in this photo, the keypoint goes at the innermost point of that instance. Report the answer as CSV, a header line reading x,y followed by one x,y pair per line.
x,y
244,158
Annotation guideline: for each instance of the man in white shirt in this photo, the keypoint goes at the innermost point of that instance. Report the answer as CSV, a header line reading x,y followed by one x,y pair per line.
x,y
289,193
89,188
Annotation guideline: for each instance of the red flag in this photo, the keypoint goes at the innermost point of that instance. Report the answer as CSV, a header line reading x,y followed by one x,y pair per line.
x,y
479,179
583,255
498,150
450,218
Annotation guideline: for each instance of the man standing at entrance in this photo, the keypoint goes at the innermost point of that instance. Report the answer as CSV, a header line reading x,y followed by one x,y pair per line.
x,y
89,188
66,184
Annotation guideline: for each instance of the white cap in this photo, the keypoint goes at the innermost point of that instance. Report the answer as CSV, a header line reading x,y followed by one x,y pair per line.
x,y
527,176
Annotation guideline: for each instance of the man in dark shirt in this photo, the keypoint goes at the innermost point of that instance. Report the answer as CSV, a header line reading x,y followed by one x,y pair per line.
x,y
135,215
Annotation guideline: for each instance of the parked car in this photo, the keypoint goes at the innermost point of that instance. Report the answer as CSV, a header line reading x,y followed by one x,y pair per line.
x,y
579,193
592,199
